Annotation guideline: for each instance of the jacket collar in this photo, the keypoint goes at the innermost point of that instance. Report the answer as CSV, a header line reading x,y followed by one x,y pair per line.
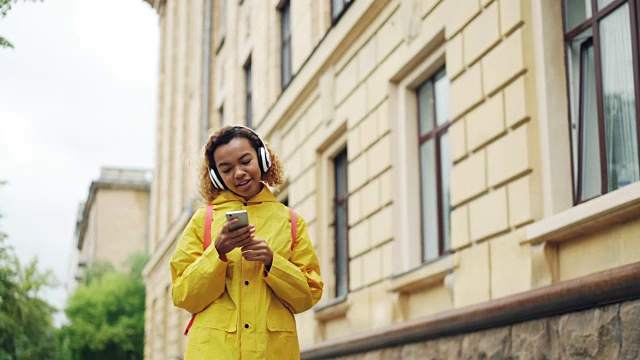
x,y
265,195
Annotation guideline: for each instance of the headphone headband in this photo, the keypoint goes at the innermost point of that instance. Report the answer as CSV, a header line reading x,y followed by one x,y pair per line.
x,y
252,131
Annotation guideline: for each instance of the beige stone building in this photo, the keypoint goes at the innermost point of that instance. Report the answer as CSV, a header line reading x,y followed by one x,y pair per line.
x,y
468,168
113,222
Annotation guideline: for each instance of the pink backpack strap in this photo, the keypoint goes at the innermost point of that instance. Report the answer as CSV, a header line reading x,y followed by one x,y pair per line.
x,y
294,227
207,241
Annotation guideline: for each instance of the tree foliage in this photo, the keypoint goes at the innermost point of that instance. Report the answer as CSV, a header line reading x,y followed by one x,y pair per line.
x,y
106,314
5,6
26,319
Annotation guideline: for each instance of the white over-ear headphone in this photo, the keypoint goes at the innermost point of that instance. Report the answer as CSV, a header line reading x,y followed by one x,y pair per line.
x,y
264,161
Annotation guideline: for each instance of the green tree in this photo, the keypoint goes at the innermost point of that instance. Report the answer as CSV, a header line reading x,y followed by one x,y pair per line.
x,y
26,319
106,315
5,6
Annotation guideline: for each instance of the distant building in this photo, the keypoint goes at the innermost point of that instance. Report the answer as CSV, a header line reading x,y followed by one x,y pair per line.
x,y
469,169
113,223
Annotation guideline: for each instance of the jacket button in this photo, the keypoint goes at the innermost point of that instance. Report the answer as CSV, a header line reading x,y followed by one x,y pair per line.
x,y
245,204
246,283
246,326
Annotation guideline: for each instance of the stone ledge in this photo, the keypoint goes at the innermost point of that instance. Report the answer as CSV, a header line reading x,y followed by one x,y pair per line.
x,y
586,218
424,277
603,288
333,309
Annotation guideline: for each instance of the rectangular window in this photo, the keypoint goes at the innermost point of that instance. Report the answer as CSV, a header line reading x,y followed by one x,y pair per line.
x,y
340,223
221,116
435,165
248,108
602,48
285,43
338,7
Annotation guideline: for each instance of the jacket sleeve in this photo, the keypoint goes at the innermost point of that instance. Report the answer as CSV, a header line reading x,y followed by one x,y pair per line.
x,y
297,281
197,277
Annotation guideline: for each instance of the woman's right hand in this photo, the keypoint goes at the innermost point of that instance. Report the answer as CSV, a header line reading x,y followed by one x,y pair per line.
x,y
228,239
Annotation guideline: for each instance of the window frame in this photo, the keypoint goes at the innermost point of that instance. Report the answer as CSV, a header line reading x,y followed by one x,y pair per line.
x,y
329,307
569,34
436,133
286,74
404,80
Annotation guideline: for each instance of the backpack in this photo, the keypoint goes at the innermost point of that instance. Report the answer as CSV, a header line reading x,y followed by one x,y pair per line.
x,y
207,241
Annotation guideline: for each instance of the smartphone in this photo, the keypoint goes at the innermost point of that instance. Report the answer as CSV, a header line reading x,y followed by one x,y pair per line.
x,y
241,215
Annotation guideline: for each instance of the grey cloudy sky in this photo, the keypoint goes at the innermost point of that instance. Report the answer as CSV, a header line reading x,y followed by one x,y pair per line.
x,y
78,92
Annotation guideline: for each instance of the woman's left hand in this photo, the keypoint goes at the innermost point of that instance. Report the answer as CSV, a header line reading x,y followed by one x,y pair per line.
x,y
258,250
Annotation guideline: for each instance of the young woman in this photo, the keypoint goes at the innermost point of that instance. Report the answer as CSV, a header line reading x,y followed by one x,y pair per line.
x,y
246,286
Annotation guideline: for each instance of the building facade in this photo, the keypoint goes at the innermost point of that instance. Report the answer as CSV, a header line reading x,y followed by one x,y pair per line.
x,y
463,165
113,223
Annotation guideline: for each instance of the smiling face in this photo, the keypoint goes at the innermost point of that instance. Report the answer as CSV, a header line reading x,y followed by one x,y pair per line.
x,y
237,164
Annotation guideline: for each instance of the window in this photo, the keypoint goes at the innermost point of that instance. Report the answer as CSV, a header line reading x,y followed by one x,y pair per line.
x,y
435,165
285,39
221,116
248,108
338,7
340,224
603,73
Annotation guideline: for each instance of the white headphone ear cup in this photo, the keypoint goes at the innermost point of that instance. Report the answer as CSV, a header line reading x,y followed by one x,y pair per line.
x,y
214,180
212,177
267,158
264,165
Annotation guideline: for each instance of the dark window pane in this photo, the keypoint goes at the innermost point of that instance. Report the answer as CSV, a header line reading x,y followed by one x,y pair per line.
x,y
619,99
576,12
340,224
429,200
441,97
336,8
286,20
341,174
445,180
435,165
425,107
248,94
341,250
590,175
286,65
583,105
285,45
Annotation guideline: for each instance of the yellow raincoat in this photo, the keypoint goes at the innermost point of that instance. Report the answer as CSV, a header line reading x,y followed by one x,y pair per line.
x,y
245,312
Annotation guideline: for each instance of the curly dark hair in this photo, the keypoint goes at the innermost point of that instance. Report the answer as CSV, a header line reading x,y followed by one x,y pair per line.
x,y
273,177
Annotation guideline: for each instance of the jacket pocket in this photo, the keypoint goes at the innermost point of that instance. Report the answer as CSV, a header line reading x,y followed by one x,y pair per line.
x,y
221,314
279,318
